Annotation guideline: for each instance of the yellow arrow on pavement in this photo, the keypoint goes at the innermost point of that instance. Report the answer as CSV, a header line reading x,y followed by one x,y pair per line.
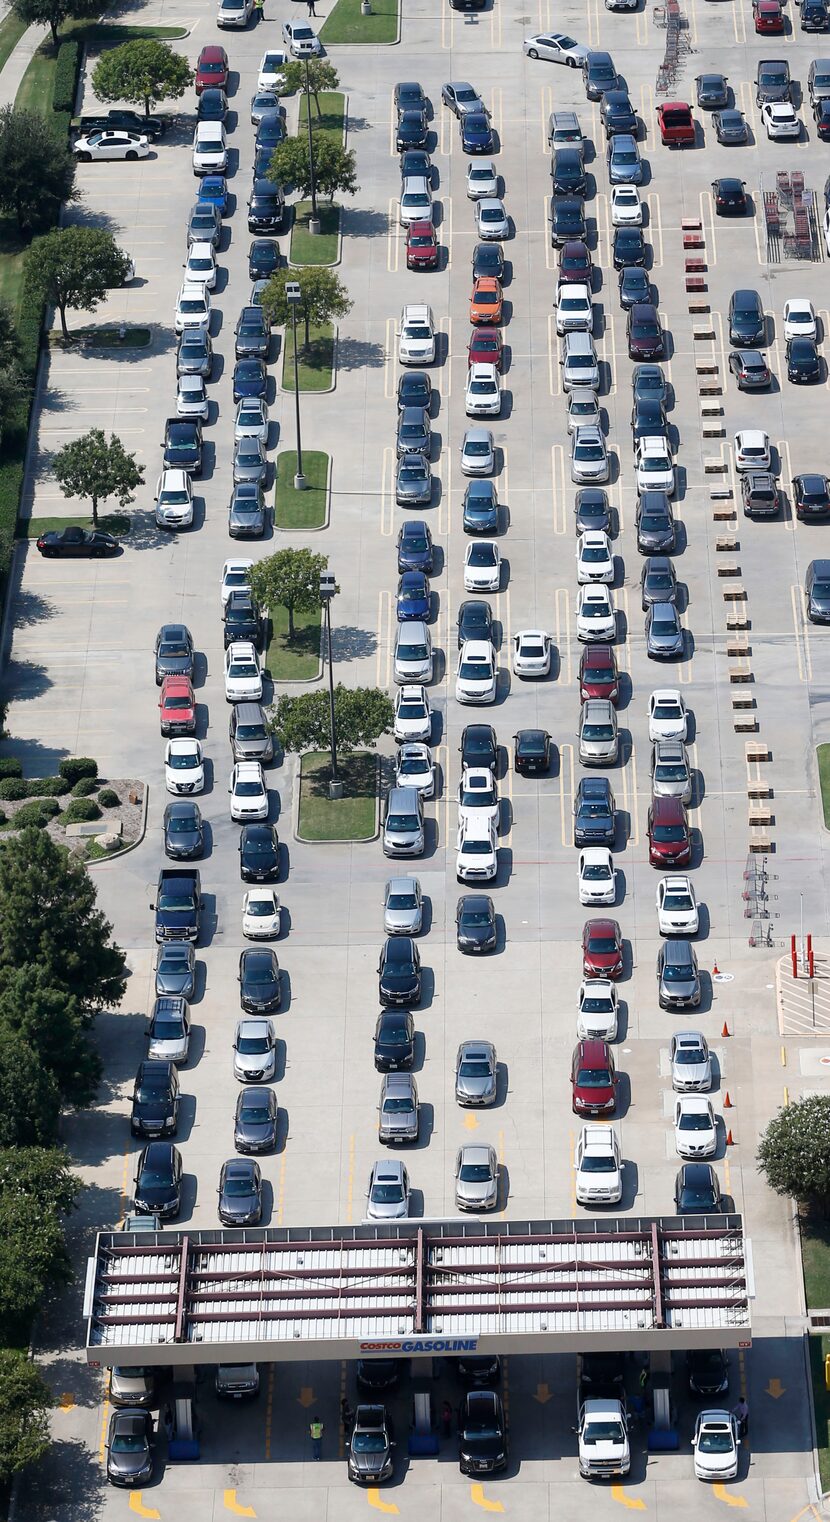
x,y
306,1396
543,1394
471,1122
478,1497
633,1503
775,1389
137,1505
231,1504
722,1494
374,1497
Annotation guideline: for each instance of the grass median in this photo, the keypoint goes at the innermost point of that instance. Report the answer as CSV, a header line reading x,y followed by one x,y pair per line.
x,y
315,361
329,119
301,509
351,817
298,659
315,248
346,24
11,31
823,757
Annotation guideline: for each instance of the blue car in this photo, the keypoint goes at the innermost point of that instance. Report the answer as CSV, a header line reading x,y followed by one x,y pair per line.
x,y
215,190
476,133
415,547
624,163
249,379
413,597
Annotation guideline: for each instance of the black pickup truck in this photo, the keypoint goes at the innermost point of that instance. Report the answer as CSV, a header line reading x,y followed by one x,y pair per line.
x,y
178,904
152,127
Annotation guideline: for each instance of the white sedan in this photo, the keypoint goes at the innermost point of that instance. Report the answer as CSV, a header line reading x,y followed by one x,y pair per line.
x,y
200,266
677,911
111,145
483,397
415,768
251,420
261,915
780,120
243,678
236,576
598,1015
184,769
668,717
482,180
574,309
800,318
248,793
716,1445
597,876
492,222
482,566
695,1126
531,653
655,467
595,616
300,39
594,557
556,47
413,715
626,206
478,794
270,75
476,675
752,451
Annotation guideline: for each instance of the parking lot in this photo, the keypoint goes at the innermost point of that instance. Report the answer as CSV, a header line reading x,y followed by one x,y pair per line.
x,y
80,681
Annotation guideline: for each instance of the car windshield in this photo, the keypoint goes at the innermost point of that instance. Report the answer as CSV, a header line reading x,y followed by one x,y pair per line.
x,y
592,1164
397,1106
155,1178
369,1442
261,906
260,972
487,298
248,789
594,552
402,901
678,974
415,543
242,668
151,1089
176,702
412,473
597,731
604,944
168,1029
192,304
593,1078
694,1122
821,588
476,447
411,711
602,1432
596,871
254,1114
670,771
596,1004
387,1194
475,1068
689,1056
128,1442
238,1186
669,832
475,1173
591,609
659,581
715,1440
482,554
475,670
677,901
532,745
253,1046
182,762
174,498
395,1035
476,847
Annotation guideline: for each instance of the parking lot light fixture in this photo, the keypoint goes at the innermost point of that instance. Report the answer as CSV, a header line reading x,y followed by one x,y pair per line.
x,y
294,296
328,588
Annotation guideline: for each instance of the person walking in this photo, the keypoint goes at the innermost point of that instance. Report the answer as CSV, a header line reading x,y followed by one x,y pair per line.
x,y
315,1431
311,10
259,7
740,1411
346,1416
446,1419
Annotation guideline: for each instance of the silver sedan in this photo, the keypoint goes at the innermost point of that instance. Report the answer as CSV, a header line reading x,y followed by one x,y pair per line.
x,y
476,1178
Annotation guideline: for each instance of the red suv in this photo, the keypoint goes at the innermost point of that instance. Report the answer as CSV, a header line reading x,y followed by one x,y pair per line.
x,y
177,706
212,69
485,347
421,247
574,262
768,16
669,841
593,1079
598,677
601,949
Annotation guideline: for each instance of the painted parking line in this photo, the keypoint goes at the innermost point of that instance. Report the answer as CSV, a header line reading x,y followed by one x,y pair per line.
x,y
545,108
444,145
495,30
785,458
443,471
572,1172
739,24
393,126
550,251
566,793
747,105
707,219
608,351
444,378
604,233
593,23
350,1183
562,625
802,642
634,810
446,229
392,236
559,492
641,27
647,109
497,112
389,353
655,223
383,654
554,371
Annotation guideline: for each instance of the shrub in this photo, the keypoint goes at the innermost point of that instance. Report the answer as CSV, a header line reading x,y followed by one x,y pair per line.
x,y
47,787
12,788
66,77
108,798
76,767
80,811
84,786
38,813
10,767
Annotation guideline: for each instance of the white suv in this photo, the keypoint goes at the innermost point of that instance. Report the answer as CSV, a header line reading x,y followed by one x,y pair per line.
x,y
476,849
416,338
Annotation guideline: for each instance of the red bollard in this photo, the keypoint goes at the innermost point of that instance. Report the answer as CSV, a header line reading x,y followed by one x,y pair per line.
x,y
794,956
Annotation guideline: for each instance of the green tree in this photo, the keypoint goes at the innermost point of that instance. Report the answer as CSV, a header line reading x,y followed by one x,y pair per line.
x,y
38,169
323,297
334,166
75,267
29,1097
25,1400
37,1190
289,579
361,716
794,1152
141,71
322,75
11,386
54,1025
49,917
52,13
94,468
9,337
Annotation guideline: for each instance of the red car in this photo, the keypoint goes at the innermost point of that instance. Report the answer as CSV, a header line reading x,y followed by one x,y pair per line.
x,y
212,69
768,16
485,347
421,247
177,706
669,841
593,1079
602,955
598,676
574,262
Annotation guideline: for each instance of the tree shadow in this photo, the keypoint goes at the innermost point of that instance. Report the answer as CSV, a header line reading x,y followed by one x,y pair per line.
x,y
26,680
70,1481
355,353
352,644
364,223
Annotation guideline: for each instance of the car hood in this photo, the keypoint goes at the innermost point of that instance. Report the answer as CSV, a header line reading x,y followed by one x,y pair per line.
x,y
476,1088
168,1051
129,1464
240,1206
475,1193
384,1212
254,1133
368,1463
402,921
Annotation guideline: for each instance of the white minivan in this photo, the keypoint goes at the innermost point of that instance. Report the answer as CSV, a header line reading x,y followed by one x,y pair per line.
x,y
210,150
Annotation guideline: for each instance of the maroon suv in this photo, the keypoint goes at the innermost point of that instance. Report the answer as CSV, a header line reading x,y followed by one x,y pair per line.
x,y
669,840
593,1079
598,677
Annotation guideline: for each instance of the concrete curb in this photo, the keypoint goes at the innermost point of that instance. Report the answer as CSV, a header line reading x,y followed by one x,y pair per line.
x,y
103,861
295,814
326,520
325,390
331,263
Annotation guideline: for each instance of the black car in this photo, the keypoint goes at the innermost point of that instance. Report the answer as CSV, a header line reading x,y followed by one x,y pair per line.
x,y
644,333
475,923
750,370
817,591
747,324
649,380
399,972
414,390
479,746
601,1374
69,543
595,813
259,853
176,969
375,1374
478,1371
155,1110
567,219
482,1433
592,510
158,1180
488,259
394,1040
617,113
242,618
475,132
475,620
707,1370
531,752
130,1443
568,172
212,105
240,1193
262,164
480,508
656,534
174,652
266,207
811,496
648,419
416,164
184,836
409,96
696,1189
260,985
370,1445
415,552
251,334
712,90
772,81
803,361
635,286
182,445
658,582
629,247
412,130
255,1122
263,258
729,196
600,75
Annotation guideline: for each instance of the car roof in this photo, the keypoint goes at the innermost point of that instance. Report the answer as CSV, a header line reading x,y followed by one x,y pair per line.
x,y
669,809
593,1049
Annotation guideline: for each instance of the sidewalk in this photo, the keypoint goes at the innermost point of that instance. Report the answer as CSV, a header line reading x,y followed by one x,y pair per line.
x,y
18,62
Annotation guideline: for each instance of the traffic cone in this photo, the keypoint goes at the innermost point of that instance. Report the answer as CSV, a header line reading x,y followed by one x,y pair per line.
x,y
715,970
725,1031
727,1102
729,1141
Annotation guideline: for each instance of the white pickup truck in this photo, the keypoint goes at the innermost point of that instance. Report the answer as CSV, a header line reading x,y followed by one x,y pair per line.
x,y
603,1439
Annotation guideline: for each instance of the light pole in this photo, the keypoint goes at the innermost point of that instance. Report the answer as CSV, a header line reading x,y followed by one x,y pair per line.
x,y
313,220
328,587
294,296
